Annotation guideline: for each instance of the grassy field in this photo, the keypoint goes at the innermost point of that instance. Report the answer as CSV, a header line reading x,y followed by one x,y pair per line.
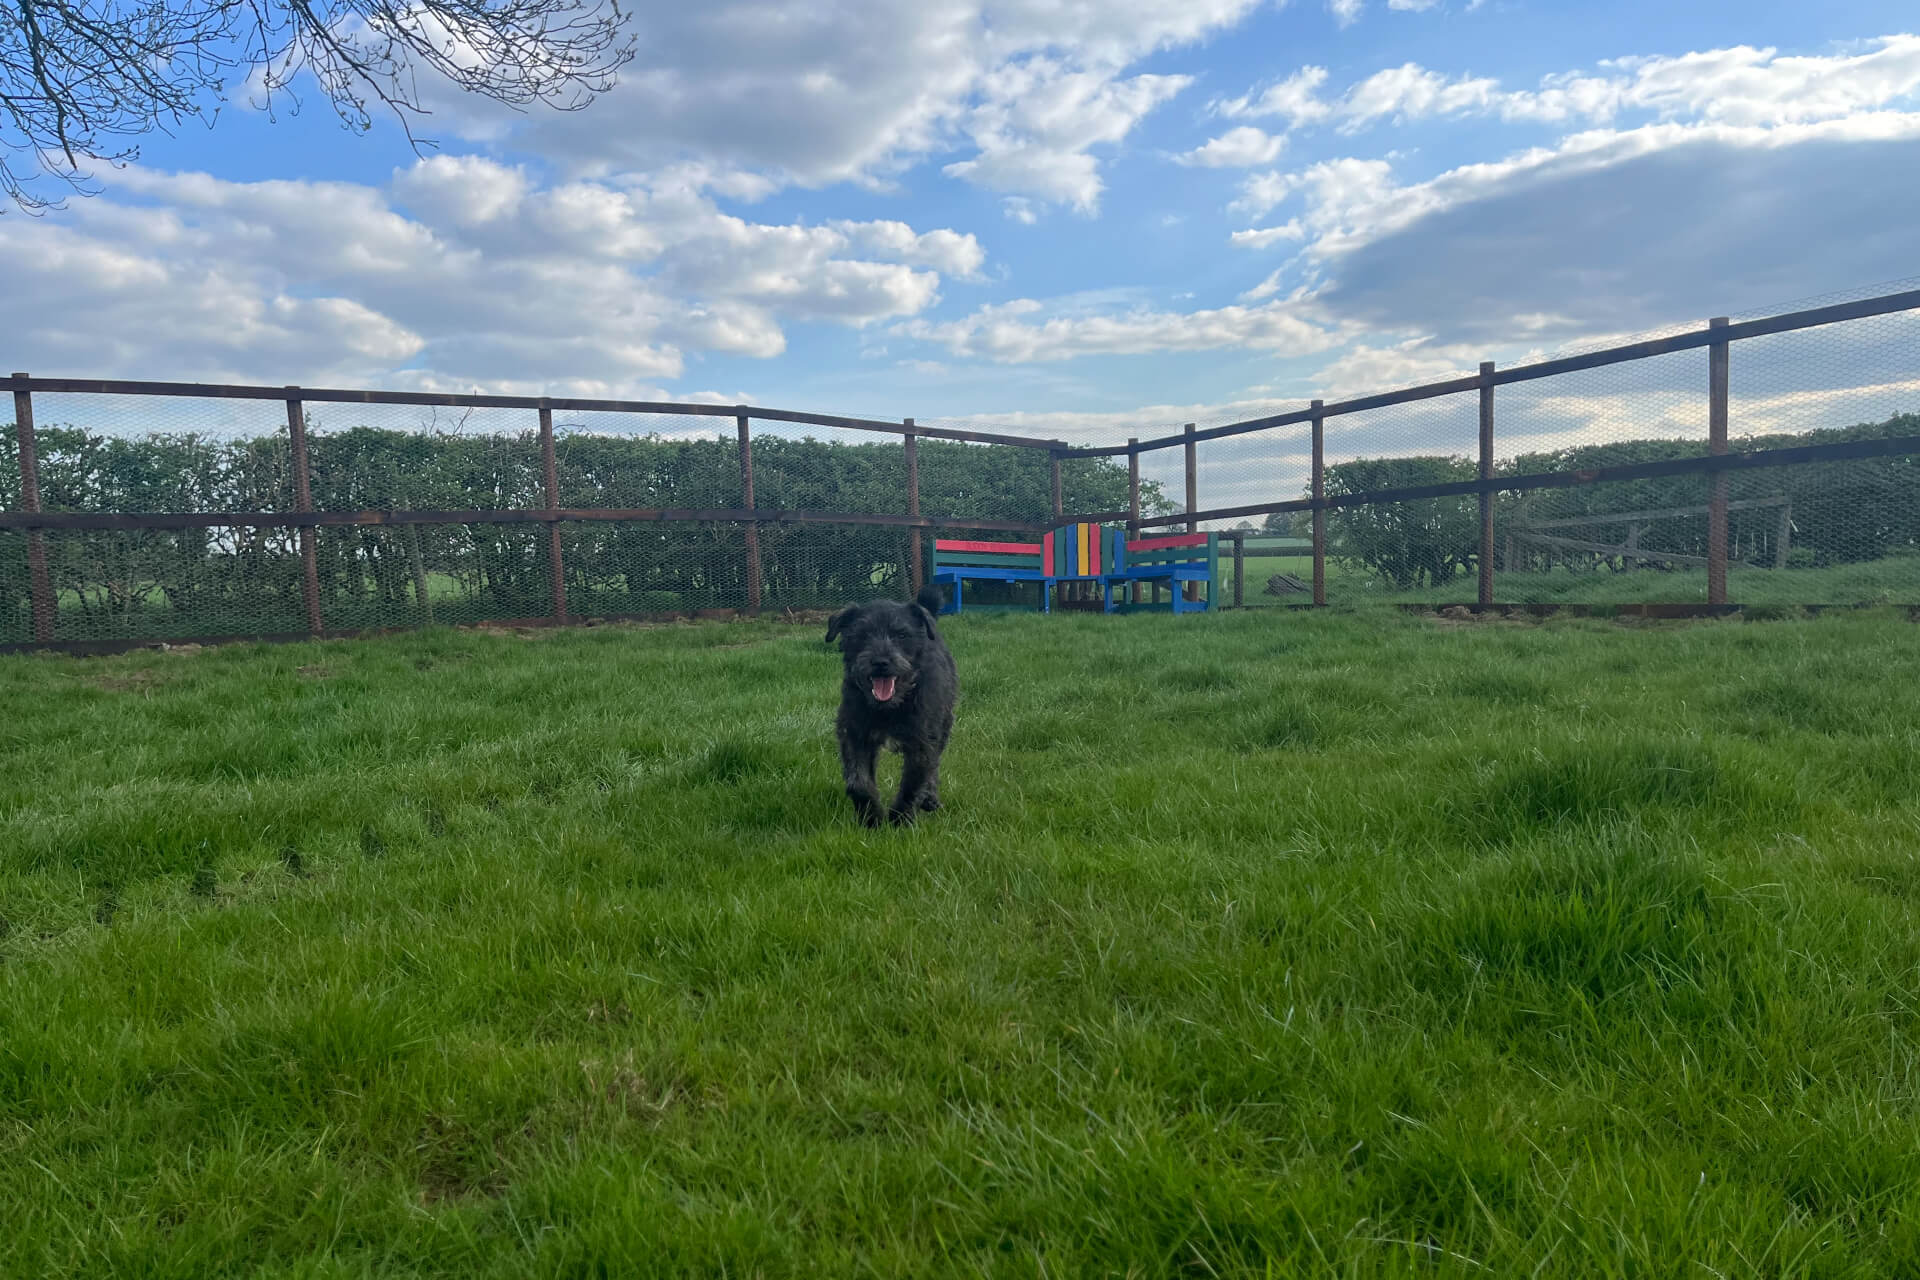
x,y
1251,945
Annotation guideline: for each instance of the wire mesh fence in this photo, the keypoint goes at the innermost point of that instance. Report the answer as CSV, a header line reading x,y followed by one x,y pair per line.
x,y
1588,543
1613,501
164,513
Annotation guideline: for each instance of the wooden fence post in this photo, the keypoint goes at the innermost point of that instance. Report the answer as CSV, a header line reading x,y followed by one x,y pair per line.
x,y
1193,478
747,501
303,503
916,571
1319,511
41,579
1192,590
1717,446
1486,474
1240,572
556,563
1133,498
1058,508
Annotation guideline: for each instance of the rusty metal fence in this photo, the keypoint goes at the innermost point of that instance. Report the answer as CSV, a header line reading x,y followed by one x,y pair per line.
x,y
1766,459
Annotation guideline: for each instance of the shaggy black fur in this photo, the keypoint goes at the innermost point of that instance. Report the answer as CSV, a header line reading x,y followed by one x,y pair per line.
x,y
900,687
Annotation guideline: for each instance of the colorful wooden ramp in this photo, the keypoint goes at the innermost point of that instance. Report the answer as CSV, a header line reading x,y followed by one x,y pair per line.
x,y
1181,561
1072,553
1084,552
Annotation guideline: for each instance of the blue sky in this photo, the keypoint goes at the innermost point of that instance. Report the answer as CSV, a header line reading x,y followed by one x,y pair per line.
x,y
1087,217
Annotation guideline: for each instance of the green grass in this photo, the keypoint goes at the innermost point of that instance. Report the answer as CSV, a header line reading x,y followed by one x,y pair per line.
x,y
1892,580
1252,945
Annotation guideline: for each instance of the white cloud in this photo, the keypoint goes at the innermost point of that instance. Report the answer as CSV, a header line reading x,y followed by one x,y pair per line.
x,y
1345,12
1747,86
463,271
943,250
1296,100
1412,6
1039,119
1265,289
1625,230
1015,332
1239,148
1410,92
1266,237
1738,112
1738,86
1260,192
1365,369
1352,201
1009,93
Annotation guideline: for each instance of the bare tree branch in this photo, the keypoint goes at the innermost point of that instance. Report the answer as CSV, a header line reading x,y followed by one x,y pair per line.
x,y
82,80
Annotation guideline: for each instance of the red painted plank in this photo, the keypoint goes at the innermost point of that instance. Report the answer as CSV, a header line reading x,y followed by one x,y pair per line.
x,y
1161,544
1094,548
991,548
1046,553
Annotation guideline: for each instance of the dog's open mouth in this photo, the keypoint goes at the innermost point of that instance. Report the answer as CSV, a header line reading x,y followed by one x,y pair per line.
x,y
883,688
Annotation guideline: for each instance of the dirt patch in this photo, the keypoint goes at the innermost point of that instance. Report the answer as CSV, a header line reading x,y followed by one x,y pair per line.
x,y
617,1082
459,1165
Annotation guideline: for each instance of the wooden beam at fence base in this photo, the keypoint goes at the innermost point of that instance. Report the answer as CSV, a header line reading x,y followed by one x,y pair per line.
x,y
1717,447
556,560
1486,473
916,572
303,502
1318,505
40,579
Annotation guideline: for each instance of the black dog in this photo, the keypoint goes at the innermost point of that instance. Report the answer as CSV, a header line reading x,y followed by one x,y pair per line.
x,y
900,687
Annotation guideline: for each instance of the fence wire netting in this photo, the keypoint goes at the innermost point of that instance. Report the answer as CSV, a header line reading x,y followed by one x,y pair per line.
x,y
1558,544
655,521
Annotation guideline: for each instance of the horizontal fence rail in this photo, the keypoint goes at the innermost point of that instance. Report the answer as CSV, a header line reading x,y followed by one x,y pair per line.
x,y
439,400
646,515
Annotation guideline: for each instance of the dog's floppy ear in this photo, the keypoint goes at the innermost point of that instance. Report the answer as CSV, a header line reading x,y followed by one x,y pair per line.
x,y
927,605
836,622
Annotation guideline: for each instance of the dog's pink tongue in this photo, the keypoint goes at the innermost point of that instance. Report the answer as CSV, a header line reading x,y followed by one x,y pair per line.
x,y
883,688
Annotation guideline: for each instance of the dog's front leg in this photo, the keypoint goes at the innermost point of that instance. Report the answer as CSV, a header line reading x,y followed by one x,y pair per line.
x,y
919,780
858,753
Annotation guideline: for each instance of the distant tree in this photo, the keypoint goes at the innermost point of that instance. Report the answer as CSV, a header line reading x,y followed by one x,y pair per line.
x,y
1288,523
1421,543
81,79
